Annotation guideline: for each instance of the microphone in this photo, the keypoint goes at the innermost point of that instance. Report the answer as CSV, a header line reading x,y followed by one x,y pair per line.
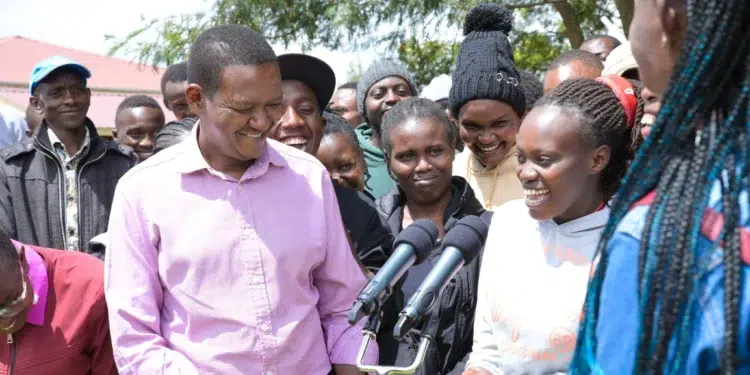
x,y
412,246
460,246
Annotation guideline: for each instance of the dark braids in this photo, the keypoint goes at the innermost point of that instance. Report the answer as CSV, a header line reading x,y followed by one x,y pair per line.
x,y
604,122
699,142
415,109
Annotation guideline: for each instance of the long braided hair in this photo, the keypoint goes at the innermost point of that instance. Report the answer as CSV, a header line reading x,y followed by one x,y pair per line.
x,y
604,122
700,133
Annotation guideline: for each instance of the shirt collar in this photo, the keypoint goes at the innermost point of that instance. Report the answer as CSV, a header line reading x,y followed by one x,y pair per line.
x,y
55,141
194,160
39,282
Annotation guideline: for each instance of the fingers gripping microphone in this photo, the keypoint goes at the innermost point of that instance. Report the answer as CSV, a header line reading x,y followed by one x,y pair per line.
x,y
412,246
460,246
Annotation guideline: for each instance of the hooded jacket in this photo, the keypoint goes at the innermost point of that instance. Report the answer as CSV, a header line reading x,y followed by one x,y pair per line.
x,y
380,181
458,301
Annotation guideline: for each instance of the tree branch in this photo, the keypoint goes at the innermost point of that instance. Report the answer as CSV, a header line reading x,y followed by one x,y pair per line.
x,y
534,4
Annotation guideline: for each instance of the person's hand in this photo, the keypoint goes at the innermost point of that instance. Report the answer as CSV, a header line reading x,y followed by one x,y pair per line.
x,y
476,371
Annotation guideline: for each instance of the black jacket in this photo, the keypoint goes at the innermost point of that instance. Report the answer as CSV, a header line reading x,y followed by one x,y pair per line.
x,y
458,300
370,235
32,189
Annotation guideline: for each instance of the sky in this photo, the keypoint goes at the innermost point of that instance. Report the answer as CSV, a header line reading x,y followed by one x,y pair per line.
x,y
82,24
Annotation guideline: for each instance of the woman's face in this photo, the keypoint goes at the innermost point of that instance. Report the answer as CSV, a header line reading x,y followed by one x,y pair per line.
x,y
559,173
656,37
421,159
345,162
488,128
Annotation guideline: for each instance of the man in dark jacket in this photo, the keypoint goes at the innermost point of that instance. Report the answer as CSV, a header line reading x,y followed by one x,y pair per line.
x,y
56,189
307,85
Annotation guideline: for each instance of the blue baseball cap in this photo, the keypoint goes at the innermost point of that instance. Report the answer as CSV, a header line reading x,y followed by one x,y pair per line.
x,y
49,65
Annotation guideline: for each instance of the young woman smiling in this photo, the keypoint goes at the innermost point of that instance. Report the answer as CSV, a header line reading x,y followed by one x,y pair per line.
x,y
488,102
573,149
418,140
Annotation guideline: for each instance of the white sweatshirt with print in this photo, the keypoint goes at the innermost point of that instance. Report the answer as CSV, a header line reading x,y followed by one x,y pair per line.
x,y
532,286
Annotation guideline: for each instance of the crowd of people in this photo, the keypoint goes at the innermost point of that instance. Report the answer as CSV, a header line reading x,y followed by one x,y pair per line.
x,y
235,239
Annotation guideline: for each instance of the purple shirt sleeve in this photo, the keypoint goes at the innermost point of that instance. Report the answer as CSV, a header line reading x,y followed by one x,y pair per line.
x,y
339,280
134,293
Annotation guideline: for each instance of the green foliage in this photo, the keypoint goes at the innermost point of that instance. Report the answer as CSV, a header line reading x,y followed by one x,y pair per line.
x,y
428,59
421,33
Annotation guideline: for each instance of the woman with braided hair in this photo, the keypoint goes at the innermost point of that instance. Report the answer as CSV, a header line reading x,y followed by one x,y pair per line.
x,y
670,294
573,149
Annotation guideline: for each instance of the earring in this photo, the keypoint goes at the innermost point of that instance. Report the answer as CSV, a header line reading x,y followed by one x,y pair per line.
x,y
664,39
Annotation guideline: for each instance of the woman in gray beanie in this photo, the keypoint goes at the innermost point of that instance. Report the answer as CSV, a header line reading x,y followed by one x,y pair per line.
x,y
384,84
488,102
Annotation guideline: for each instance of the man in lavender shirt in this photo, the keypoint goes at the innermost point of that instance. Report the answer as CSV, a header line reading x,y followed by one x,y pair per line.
x,y
227,253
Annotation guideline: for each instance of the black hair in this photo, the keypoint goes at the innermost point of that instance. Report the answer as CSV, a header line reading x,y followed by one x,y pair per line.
x,y
700,134
415,108
349,85
337,125
136,101
174,73
604,122
576,55
9,259
173,133
615,42
532,87
222,46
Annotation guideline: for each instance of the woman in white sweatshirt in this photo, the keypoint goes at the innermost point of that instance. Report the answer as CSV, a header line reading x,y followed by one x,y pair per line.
x,y
573,149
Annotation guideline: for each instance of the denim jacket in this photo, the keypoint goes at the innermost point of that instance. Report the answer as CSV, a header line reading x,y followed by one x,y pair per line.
x,y
618,322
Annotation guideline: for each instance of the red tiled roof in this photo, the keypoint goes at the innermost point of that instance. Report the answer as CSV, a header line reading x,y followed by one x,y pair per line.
x,y
20,55
101,111
112,79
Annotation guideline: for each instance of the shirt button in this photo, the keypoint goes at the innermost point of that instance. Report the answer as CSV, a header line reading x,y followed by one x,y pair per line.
x,y
257,280
239,187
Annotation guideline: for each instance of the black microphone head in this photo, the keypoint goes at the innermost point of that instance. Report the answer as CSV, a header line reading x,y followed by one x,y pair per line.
x,y
468,236
421,235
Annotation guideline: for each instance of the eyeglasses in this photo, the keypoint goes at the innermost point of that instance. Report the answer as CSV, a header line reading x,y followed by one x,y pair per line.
x,y
12,309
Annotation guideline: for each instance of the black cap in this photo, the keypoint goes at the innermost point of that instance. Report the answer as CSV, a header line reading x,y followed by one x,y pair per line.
x,y
311,71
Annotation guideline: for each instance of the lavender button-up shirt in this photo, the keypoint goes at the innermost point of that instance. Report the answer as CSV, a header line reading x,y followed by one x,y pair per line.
x,y
209,275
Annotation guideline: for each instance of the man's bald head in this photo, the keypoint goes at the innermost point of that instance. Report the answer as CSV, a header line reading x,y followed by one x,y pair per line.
x,y
600,45
571,65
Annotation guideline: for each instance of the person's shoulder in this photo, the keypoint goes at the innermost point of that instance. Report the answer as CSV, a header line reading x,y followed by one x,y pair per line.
x,y
118,151
18,150
73,267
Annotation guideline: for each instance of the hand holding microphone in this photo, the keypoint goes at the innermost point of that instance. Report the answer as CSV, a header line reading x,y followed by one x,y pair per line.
x,y
460,246
412,246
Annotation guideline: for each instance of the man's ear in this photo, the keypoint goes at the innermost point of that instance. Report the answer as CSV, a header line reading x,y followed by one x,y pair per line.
x,y
166,104
195,98
36,104
599,159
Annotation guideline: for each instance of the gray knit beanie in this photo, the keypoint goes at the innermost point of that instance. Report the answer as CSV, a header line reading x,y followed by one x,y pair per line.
x,y
485,68
378,71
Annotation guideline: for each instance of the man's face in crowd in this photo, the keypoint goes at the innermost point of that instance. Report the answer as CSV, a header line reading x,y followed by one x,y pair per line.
x,y
382,96
63,99
344,103
234,121
137,128
175,99
301,125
